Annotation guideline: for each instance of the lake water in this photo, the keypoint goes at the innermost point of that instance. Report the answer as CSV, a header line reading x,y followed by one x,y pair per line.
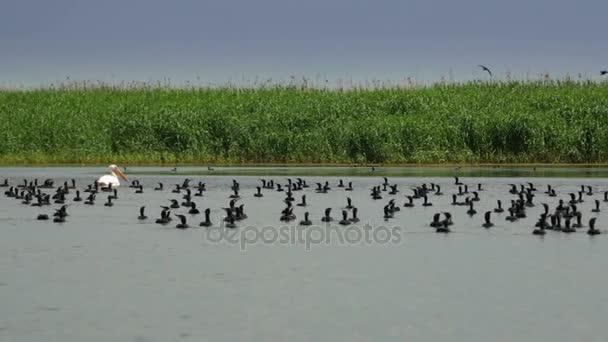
x,y
104,275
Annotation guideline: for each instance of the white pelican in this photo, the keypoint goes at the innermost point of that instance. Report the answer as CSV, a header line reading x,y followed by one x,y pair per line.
x,y
112,178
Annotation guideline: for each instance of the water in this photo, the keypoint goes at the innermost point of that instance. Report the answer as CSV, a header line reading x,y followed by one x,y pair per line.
x,y
103,275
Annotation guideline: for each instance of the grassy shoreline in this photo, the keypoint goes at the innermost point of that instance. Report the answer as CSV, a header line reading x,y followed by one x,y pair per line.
x,y
309,165
515,123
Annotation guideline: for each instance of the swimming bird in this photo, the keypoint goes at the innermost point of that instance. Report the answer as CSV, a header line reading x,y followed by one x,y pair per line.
x,y
349,203
387,212
60,214
327,217
60,198
597,207
376,193
235,185
287,213
393,208
447,219
159,187
511,216
114,194
230,222
48,184
259,192
306,221
471,210
542,220
235,194
475,196
183,224
578,223
140,189
540,230
486,69
134,184
112,180
455,200
193,210
142,215
409,203
394,190
303,202
443,228
556,221
165,216
487,223
321,189
354,219
457,181
349,187
426,202
344,221
109,202
240,213
91,199
572,198
207,222
231,206
436,221
580,197
187,197
174,204
289,197
499,208
568,228
42,217
592,230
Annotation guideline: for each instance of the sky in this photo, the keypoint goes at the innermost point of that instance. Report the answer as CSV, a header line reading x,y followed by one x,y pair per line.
x,y
239,41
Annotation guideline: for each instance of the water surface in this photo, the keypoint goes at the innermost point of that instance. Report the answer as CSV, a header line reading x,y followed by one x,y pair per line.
x,y
103,275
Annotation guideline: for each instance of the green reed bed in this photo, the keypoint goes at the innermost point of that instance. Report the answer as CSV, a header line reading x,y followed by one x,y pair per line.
x,y
514,122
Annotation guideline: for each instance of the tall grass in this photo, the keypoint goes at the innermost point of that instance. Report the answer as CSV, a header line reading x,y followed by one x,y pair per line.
x,y
548,122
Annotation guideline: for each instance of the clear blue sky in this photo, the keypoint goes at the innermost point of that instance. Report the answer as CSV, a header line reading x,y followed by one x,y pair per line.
x,y
217,41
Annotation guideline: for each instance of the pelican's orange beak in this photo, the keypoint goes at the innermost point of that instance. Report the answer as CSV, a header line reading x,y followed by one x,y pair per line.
x,y
121,175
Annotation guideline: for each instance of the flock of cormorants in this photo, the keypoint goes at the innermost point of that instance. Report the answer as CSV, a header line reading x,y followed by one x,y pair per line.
x,y
566,217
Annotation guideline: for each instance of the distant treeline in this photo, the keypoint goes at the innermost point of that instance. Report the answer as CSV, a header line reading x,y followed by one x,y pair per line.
x,y
514,122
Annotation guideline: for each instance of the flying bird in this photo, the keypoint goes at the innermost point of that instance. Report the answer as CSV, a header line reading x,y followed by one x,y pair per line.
x,y
485,68
604,72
